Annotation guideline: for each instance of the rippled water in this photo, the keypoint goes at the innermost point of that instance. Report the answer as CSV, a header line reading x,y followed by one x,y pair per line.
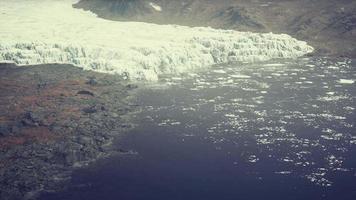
x,y
281,130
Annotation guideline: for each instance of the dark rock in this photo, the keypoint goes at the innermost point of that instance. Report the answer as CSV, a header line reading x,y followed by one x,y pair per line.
x,y
4,130
31,119
84,140
130,8
131,86
27,122
123,150
92,81
90,110
126,125
85,92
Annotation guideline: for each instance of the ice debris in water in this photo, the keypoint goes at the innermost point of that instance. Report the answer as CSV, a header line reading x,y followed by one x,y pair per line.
x,y
251,116
44,31
346,81
253,159
156,7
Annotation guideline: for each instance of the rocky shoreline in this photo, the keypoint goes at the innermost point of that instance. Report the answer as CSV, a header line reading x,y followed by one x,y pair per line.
x,y
55,118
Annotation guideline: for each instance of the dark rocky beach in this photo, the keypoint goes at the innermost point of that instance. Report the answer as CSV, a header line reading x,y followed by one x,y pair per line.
x,y
55,118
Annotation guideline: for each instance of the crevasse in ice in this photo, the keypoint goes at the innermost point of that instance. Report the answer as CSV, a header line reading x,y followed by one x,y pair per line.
x,y
43,32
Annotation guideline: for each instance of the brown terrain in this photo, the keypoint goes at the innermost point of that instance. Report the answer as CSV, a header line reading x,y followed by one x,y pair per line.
x,y
53,119
328,25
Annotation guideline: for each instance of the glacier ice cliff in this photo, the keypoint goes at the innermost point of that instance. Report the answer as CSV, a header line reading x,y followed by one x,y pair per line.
x,y
43,32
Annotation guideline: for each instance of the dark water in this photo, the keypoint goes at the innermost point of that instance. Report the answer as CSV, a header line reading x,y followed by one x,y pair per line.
x,y
264,131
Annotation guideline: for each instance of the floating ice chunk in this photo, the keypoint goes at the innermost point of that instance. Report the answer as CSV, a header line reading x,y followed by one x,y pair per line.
x,y
248,89
156,7
265,5
253,159
310,65
331,137
346,81
287,159
219,71
349,108
168,122
276,74
283,172
274,65
188,109
240,76
342,169
318,179
177,78
162,124
333,98
231,116
331,117
333,67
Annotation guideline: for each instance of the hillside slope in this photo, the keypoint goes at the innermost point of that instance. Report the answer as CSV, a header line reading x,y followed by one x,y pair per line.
x,y
329,25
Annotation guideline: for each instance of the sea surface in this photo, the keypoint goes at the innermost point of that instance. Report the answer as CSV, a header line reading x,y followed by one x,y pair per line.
x,y
278,130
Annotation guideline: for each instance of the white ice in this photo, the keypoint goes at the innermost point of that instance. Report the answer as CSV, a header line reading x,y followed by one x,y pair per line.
x,y
156,7
346,81
51,31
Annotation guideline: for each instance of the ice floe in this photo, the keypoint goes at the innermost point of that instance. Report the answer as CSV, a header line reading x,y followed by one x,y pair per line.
x,y
155,6
346,81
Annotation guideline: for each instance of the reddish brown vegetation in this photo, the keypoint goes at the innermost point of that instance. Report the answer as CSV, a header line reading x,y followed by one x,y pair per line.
x,y
18,98
31,134
11,141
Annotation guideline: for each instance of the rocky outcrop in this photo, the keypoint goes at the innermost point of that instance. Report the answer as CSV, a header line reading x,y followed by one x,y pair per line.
x,y
53,120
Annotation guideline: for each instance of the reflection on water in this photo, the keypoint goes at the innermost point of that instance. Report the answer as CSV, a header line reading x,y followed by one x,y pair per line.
x,y
274,130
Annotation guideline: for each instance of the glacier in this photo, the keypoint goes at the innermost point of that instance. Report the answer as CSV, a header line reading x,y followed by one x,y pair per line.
x,y
51,31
